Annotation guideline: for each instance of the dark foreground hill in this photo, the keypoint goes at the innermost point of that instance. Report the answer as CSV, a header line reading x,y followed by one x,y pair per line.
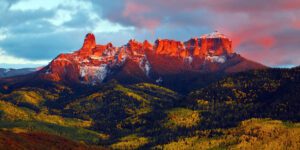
x,y
145,115
35,141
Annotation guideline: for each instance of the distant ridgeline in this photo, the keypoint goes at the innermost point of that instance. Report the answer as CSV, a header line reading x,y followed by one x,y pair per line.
x,y
4,73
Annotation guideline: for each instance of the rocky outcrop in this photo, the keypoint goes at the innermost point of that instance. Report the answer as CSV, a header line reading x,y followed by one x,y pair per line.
x,y
94,63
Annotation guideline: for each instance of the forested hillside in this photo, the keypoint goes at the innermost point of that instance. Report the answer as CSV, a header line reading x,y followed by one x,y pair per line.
x,y
144,115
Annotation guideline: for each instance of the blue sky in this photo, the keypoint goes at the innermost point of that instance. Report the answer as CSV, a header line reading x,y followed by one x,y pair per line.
x,y
33,32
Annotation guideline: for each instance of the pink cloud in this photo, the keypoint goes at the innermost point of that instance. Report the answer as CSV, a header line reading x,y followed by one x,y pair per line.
x,y
135,12
254,26
267,42
132,8
251,6
296,24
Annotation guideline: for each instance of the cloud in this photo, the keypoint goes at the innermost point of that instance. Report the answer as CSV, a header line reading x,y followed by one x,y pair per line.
x,y
35,30
253,6
280,49
135,13
42,46
255,26
9,61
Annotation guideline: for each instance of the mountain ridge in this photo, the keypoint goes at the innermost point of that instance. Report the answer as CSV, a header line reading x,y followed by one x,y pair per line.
x,y
93,63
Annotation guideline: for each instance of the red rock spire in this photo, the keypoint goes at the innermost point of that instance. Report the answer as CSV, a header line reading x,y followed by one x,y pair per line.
x,y
89,42
88,45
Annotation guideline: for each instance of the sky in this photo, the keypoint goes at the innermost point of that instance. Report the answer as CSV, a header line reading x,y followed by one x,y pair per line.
x,y
33,32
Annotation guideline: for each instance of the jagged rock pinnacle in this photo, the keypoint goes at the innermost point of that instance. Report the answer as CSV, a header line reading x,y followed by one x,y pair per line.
x,y
89,42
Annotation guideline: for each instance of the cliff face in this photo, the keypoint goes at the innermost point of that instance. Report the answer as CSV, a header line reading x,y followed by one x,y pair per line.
x,y
214,46
211,44
94,63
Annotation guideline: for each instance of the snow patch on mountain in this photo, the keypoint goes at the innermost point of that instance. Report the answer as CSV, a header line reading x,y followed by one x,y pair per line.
x,y
85,61
216,59
95,57
189,59
213,35
110,52
122,55
95,73
145,66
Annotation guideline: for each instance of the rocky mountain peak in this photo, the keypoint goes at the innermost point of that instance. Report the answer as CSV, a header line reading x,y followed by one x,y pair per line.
x,y
93,62
89,42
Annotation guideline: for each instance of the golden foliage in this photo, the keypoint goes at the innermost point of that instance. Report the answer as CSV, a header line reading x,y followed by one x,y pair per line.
x,y
62,121
250,134
267,134
131,93
181,117
202,102
11,112
130,142
154,87
30,97
192,143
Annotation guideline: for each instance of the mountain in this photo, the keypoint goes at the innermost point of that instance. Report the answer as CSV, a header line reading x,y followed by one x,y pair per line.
x,y
15,72
136,61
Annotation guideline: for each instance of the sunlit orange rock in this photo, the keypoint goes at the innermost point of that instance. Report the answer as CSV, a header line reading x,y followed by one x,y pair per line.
x,y
210,45
62,67
135,47
88,45
89,42
99,49
147,45
169,47
93,63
